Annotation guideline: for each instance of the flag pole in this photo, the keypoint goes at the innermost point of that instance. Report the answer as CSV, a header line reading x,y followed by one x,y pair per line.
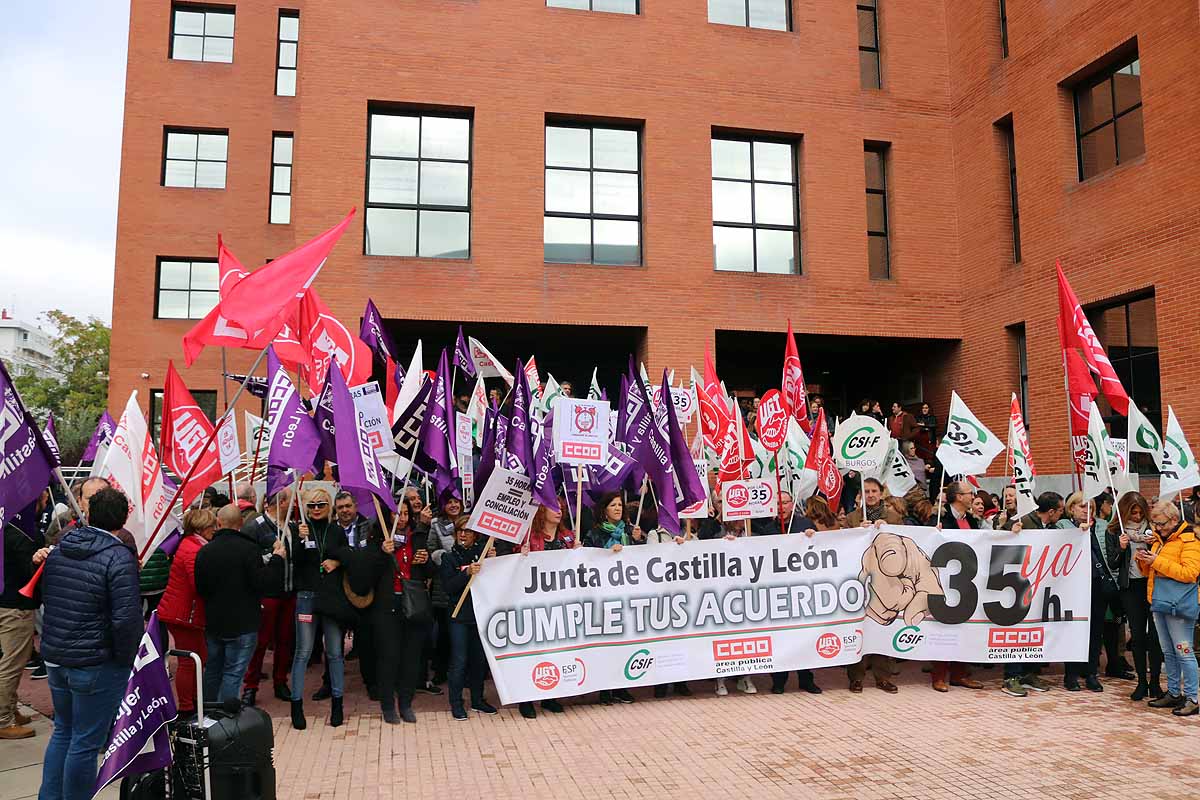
x,y
225,392
941,495
257,444
579,502
1076,484
487,548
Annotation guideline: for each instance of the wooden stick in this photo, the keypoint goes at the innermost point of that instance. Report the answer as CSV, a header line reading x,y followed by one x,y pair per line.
x,y
941,491
641,501
578,502
487,548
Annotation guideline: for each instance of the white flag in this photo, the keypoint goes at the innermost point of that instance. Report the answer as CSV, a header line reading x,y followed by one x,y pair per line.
x,y
594,387
411,385
1179,469
551,391
477,410
968,447
861,443
1095,462
486,363
1143,438
898,478
132,466
1021,460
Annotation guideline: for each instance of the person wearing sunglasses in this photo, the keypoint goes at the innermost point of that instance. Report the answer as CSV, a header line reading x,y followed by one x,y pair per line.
x,y
1171,567
317,577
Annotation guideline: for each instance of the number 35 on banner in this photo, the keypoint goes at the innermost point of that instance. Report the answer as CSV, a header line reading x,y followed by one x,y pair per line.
x,y
748,499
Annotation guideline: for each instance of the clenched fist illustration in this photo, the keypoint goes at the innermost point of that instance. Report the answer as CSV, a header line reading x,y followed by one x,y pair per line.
x,y
901,580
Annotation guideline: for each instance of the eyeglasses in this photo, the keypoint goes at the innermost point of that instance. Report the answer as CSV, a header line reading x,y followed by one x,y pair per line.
x,y
1161,523
316,505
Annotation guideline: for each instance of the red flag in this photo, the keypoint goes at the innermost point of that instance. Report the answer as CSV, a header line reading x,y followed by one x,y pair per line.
x,y
261,300
184,432
820,460
324,338
795,394
1081,392
720,426
391,389
1074,330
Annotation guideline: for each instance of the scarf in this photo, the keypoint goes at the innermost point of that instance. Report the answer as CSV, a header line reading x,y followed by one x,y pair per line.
x,y
615,531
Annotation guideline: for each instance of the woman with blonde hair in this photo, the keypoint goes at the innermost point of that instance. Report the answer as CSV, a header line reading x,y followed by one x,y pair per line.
x,y
1172,566
181,608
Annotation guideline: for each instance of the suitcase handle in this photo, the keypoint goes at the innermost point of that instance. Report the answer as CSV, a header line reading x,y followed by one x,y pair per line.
x,y
195,657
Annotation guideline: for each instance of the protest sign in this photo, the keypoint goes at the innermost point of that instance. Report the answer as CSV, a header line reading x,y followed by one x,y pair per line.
x,y
227,444
684,400
567,622
505,508
748,499
373,416
466,463
581,431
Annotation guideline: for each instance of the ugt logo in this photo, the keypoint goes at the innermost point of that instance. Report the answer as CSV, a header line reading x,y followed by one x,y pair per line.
x,y
585,419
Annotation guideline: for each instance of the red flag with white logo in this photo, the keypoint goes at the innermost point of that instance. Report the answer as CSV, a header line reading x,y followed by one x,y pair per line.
x,y
1074,331
184,432
820,461
795,394
325,340
722,429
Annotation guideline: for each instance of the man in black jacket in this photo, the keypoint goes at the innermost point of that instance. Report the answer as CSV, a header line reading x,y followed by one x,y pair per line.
x,y
231,577
90,636
16,629
277,629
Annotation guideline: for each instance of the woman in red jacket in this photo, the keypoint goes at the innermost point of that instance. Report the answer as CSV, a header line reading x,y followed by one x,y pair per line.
x,y
180,607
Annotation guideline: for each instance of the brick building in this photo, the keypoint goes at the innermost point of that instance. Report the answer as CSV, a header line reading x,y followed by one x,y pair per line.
x,y
666,176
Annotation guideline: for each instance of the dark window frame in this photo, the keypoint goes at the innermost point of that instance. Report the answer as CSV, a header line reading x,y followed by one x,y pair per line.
x,y
168,130
202,398
291,172
203,8
286,13
592,216
1020,337
420,111
886,233
158,289
873,8
1107,74
1010,146
1003,29
754,224
637,10
790,22
1124,365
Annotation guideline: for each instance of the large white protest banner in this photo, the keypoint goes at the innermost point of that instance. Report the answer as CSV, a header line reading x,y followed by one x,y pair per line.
x,y
568,622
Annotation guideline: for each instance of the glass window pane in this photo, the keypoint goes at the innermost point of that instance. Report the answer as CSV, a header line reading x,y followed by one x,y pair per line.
x,y
443,184
616,242
730,159
727,12
614,149
172,305
568,147
868,69
1099,151
776,251
287,54
201,303
866,29
445,137
218,50
394,136
189,22
567,241
289,28
392,181
285,82
769,14
204,275
210,174
174,275
874,164
774,204
281,180
180,173
181,145
1131,142
445,234
877,257
187,48
212,146
1128,87
218,23
615,193
876,213
1095,105
568,190
731,202
615,6
772,162
579,4
283,150
733,249
281,209
391,232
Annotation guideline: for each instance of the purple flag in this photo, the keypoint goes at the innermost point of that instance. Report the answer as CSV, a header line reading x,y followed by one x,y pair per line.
x,y
543,462
26,463
292,435
600,479
358,468
518,445
374,333
101,436
622,409
688,487
140,741
656,458
638,422
462,355
406,430
323,419
51,438
435,450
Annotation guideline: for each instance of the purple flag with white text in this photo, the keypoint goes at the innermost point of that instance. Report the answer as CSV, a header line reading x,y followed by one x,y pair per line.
x,y
323,419
26,463
50,435
543,463
656,458
519,445
292,434
462,355
358,467
435,451
101,436
374,333
688,487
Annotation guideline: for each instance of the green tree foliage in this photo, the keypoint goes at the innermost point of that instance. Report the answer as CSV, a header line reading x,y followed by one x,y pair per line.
x,y
78,393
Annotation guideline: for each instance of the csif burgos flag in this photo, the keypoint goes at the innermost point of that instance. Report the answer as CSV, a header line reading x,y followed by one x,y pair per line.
x,y
291,433
795,394
358,468
26,462
1143,438
462,355
185,438
968,446
435,442
140,741
1179,469
132,466
1021,460
861,443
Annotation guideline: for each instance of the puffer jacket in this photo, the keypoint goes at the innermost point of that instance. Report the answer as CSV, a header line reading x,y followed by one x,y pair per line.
x,y
155,573
180,605
439,542
1177,558
93,611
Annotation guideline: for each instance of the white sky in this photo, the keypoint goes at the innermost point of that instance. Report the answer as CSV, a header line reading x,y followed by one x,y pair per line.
x,y
62,90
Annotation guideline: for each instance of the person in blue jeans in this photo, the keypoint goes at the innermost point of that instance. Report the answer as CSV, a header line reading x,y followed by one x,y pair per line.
x,y
90,636
1172,566
467,660
231,578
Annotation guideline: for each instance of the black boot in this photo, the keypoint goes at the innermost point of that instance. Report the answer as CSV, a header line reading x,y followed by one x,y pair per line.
x,y
335,713
553,706
249,696
1140,692
406,710
389,712
298,721
282,692
527,710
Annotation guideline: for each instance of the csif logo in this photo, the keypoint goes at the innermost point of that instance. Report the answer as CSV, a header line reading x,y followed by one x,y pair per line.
x,y
861,440
980,434
638,664
907,638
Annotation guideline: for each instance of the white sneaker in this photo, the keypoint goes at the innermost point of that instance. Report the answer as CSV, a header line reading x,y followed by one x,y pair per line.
x,y
721,690
745,685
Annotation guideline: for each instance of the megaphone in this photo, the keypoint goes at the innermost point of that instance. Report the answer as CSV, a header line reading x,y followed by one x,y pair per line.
x,y
28,589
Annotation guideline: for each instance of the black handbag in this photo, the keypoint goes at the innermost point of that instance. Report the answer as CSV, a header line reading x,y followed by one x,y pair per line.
x,y
415,606
331,600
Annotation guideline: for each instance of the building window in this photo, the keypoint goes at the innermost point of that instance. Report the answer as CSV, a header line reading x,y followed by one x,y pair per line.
x,y
614,6
285,60
205,398
878,256
187,289
593,195
195,159
202,33
1128,330
1108,118
756,219
868,44
1018,338
281,179
1003,29
418,185
1010,147
775,15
